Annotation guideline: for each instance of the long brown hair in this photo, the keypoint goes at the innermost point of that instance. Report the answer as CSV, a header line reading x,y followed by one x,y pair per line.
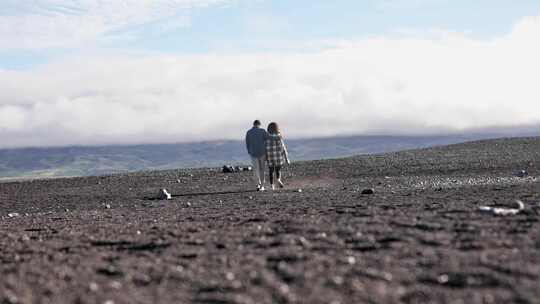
x,y
273,128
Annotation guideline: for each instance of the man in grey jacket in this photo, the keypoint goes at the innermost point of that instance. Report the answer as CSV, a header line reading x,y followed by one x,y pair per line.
x,y
256,147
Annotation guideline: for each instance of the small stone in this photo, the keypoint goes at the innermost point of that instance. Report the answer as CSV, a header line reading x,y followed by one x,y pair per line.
x,y
284,289
115,285
304,242
368,191
522,173
443,279
25,238
164,194
322,235
108,206
351,260
178,181
299,190
108,302
188,204
338,280
520,206
138,232
229,276
10,298
228,169
93,286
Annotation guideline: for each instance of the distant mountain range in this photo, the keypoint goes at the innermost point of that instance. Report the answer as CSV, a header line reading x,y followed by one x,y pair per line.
x,y
85,161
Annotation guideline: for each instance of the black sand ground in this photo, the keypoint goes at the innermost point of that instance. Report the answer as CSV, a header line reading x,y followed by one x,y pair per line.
x,y
419,239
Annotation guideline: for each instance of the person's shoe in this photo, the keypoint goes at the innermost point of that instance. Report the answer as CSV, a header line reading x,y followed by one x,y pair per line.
x,y
261,188
280,183
273,187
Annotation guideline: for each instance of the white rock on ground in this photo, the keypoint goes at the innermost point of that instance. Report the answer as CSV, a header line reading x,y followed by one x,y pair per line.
x,y
504,211
164,195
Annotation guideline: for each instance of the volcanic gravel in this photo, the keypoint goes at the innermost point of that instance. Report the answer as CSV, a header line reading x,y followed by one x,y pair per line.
x,y
418,238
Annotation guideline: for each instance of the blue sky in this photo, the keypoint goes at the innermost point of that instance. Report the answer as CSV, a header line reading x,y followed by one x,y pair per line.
x,y
266,25
91,72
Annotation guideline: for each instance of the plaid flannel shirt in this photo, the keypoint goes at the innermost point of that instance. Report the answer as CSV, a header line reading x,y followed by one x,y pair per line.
x,y
276,152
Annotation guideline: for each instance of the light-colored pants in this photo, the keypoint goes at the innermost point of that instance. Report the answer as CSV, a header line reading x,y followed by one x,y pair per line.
x,y
258,169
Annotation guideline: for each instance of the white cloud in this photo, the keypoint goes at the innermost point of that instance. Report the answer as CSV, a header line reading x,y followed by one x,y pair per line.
x,y
406,85
38,24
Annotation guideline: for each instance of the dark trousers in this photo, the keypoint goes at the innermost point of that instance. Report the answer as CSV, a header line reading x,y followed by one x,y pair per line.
x,y
277,170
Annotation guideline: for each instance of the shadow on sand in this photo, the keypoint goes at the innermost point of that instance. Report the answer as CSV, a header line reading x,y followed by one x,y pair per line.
x,y
203,194
213,193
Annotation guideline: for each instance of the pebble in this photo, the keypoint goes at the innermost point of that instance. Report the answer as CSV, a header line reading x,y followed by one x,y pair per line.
x,y
368,191
108,206
164,194
10,298
93,286
15,214
299,190
229,276
115,285
284,289
504,211
522,173
443,279
338,280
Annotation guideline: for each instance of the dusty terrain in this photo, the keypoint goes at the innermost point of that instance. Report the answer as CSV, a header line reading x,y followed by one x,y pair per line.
x,y
420,238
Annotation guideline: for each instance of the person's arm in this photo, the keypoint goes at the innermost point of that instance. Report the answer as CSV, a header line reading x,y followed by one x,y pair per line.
x,y
266,148
285,153
248,142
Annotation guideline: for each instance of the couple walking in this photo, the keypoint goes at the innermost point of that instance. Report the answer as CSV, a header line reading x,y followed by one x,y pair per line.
x,y
266,146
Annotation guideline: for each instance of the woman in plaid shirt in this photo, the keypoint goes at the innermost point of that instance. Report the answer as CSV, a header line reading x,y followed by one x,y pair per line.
x,y
276,153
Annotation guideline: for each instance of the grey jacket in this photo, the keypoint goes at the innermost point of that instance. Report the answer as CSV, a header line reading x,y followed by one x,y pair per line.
x,y
256,142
